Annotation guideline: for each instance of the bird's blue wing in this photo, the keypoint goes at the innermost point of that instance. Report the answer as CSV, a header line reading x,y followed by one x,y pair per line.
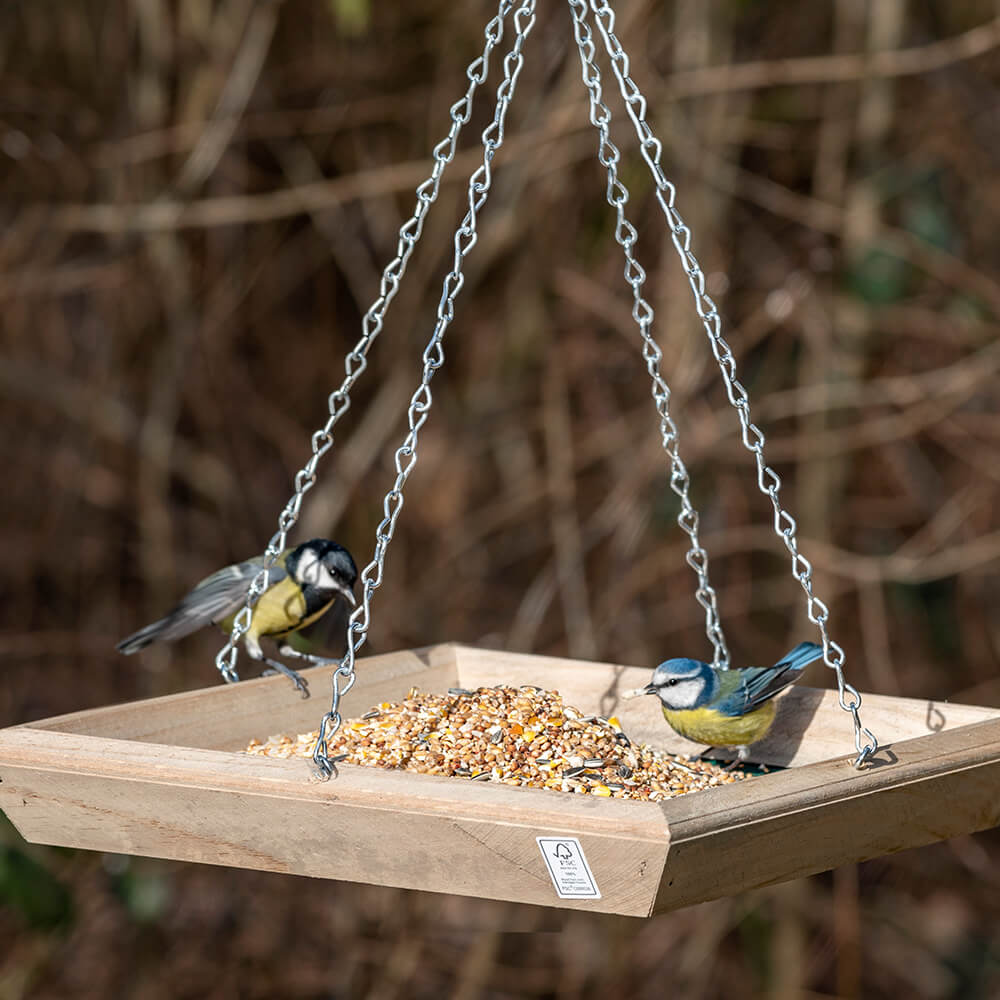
x,y
803,654
741,691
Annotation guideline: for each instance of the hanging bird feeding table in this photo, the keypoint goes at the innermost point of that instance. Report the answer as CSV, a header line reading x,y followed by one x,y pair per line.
x,y
169,777
166,778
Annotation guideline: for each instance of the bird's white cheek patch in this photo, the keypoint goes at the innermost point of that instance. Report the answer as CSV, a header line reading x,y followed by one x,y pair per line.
x,y
309,569
685,694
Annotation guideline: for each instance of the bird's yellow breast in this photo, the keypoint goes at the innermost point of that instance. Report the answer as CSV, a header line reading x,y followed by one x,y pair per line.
x,y
280,610
706,725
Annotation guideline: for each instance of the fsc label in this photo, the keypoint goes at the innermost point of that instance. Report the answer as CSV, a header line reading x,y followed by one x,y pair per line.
x,y
567,865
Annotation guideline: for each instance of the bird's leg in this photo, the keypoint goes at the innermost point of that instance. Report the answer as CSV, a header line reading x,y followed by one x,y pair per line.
x,y
742,756
277,667
252,645
314,661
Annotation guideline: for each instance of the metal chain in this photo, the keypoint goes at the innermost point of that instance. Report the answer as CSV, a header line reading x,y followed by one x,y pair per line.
x,y
357,359
642,313
753,438
406,455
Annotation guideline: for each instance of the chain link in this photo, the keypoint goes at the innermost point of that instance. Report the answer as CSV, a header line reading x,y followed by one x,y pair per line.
x,y
433,357
753,438
642,313
357,359
406,455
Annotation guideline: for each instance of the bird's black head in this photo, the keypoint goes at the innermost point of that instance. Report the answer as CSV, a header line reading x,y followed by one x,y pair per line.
x,y
325,567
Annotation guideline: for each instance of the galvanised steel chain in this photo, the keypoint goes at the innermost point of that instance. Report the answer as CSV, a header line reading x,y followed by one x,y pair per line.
x,y
406,455
356,361
642,313
753,438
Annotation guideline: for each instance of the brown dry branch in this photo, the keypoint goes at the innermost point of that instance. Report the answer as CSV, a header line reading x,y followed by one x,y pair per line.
x,y
839,68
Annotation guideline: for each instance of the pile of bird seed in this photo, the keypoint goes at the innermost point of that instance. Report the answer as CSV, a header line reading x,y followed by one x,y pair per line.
x,y
512,735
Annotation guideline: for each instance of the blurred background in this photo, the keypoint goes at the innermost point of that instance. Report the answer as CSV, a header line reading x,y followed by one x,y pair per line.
x,y
198,200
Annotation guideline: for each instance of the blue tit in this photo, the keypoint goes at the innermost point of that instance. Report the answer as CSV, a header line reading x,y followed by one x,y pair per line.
x,y
726,708
303,584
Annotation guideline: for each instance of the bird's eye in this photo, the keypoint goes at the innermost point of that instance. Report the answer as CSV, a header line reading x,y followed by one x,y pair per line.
x,y
672,682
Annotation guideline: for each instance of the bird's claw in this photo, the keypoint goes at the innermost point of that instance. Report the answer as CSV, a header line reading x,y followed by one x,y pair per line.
x,y
274,667
742,756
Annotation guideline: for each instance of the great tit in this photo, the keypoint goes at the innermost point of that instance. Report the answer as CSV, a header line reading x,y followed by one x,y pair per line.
x,y
725,708
303,584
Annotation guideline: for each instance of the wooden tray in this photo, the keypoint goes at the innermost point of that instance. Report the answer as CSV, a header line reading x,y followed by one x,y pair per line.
x,y
165,778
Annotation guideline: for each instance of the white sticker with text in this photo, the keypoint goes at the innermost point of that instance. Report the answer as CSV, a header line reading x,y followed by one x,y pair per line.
x,y
571,875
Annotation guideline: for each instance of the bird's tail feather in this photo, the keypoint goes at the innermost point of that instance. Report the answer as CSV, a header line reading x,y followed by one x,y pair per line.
x,y
802,655
179,623
141,639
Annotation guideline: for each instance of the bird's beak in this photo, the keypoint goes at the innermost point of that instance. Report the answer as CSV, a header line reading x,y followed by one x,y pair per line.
x,y
648,689
348,595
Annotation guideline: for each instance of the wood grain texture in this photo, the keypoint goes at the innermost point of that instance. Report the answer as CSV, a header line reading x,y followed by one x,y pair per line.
x,y
225,717
810,819
368,825
163,778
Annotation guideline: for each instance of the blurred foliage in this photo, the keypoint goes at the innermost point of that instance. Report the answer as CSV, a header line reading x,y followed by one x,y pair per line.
x,y
352,16
879,278
32,891
198,201
145,894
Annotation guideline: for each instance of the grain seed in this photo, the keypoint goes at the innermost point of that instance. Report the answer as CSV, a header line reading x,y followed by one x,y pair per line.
x,y
488,735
